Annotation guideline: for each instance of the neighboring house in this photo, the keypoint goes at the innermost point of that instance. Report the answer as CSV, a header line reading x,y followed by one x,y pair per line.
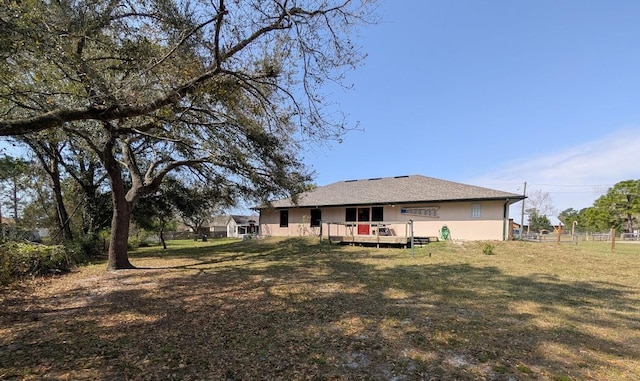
x,y
556,224
218,226
231,226
215,227
384,206
239,226
517,230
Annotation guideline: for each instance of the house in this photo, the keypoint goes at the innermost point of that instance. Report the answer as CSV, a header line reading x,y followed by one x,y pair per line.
x,y
556,224
218,226
377,208
240,226
231,226
517,231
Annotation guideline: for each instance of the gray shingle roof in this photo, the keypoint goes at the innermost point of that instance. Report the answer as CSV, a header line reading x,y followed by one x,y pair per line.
x,y
395,190
245,220
219,221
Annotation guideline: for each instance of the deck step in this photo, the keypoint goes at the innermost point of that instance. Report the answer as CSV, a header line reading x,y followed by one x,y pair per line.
x,y
421,241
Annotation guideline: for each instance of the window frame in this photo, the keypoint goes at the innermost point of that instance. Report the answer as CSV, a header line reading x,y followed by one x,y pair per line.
x,y
377,213
476,210
351,215
368,214
315,221
284,218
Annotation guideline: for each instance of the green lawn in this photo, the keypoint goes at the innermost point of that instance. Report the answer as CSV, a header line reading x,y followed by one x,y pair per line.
x,y
297,309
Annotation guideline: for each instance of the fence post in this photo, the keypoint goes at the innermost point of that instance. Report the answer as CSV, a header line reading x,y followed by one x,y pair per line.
x,y
412,245
613,240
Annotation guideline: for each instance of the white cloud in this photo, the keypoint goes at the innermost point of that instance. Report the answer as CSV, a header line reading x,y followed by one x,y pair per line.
x,y
576,175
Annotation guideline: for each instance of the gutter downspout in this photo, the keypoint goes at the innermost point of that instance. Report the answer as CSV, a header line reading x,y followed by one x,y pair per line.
x,y
505,219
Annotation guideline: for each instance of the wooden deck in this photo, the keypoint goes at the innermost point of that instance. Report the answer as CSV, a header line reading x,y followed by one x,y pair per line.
x,y
403,242
370,240
379,233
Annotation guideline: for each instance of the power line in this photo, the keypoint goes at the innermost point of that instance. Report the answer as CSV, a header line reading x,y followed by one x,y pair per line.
x,y
573,185
594,192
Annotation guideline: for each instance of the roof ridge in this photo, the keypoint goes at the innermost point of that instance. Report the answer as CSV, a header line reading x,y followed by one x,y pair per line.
x,y
373,178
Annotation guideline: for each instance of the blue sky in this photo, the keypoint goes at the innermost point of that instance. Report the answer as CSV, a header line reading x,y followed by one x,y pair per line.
x,y
496,93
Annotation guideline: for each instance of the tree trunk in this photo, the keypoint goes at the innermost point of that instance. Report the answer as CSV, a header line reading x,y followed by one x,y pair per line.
x,y
91,205
62,216
47,154
61,210
121,219
164,243
14,199
1,224
118,256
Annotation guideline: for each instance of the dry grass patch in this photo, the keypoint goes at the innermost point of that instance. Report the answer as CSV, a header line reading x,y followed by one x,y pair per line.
x,y
296,309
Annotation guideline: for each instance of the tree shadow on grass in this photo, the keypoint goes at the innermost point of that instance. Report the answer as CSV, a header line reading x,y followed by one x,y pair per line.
x,y
290,312
292,250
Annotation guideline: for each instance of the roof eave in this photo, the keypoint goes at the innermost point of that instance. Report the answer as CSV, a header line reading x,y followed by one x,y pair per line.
x,y
511,199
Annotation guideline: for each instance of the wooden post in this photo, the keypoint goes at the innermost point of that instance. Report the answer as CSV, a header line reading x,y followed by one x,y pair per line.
x,y
412,242
559,233
613,240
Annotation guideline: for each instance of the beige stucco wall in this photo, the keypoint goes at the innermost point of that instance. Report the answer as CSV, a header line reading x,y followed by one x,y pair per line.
x,y
232,228
456,216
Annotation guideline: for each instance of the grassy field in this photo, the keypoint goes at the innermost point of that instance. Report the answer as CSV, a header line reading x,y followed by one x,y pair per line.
x,y
296,309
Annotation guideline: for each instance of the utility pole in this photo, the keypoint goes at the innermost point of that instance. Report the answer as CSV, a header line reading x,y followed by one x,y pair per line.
x,y
524,193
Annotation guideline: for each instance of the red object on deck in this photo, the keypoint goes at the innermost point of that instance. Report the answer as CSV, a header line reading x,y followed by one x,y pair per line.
x,y
363,229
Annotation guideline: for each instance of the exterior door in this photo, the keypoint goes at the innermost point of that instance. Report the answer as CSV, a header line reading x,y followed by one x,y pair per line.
x,y
363,216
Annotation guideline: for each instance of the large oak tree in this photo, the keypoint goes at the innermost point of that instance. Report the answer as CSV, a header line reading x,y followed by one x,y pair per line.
x,y
223,90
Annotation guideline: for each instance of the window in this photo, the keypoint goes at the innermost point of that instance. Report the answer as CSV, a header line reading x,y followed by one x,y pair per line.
x,y
350,214
363,214
377,213
424,212
316,217
475,210
284,218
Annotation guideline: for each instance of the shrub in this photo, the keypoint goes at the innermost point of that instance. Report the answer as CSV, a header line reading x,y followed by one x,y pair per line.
x,y
141,238
22,260
87,247
488,249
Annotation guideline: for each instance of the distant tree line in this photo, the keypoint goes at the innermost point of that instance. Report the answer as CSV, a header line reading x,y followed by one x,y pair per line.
x,y
618,209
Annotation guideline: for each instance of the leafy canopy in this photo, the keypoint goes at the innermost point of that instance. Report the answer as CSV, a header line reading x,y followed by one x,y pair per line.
x,y
223,91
